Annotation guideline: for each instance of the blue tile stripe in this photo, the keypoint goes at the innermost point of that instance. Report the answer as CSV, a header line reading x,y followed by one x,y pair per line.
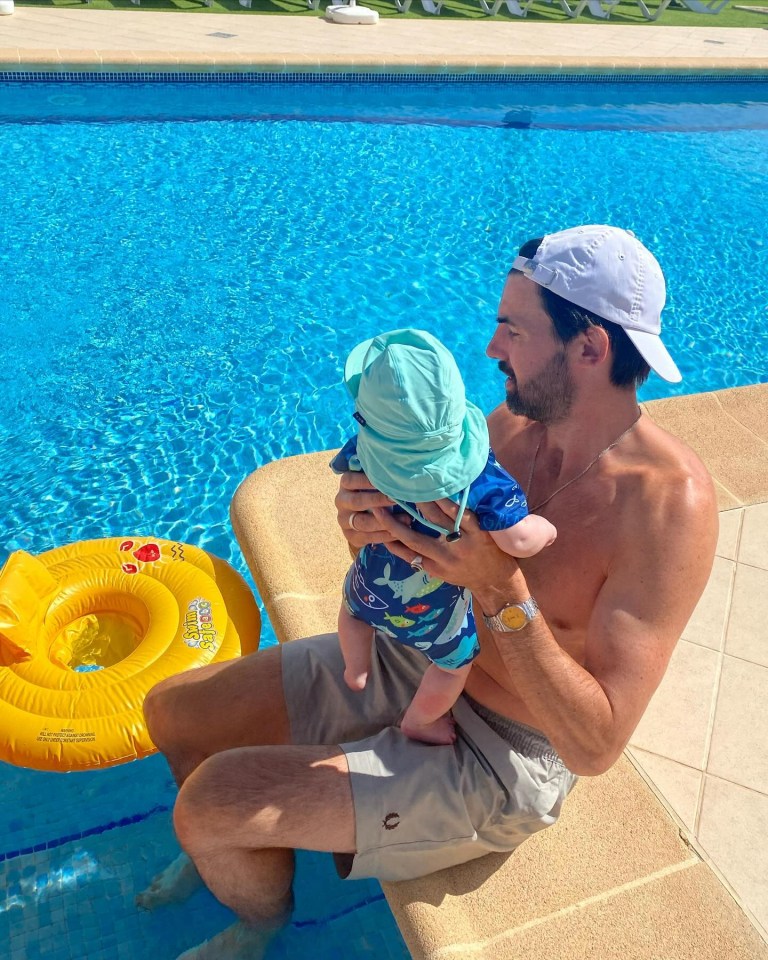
x,y
80,76
90,832
322,921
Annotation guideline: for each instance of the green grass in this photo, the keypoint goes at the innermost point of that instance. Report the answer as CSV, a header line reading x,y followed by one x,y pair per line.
x,y
543,12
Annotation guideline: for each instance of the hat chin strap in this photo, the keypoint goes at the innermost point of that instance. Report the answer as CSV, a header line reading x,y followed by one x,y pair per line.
x,y
433,526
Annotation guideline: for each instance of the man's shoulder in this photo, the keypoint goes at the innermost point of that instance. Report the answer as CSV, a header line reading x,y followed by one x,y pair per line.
x,y
668,481
504,427
672,460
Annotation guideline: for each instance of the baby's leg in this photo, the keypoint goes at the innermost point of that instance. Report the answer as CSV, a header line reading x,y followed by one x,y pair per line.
x,y
427,718
355,640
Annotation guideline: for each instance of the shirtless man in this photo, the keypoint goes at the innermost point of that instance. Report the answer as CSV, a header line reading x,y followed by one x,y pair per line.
x,y
560,683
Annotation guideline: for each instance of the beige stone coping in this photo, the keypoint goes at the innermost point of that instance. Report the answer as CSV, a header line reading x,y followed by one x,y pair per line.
x,y
180,61
617,878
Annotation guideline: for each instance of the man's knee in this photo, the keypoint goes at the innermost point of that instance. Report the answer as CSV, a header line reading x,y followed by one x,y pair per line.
x,y
159,713
209,807
190,812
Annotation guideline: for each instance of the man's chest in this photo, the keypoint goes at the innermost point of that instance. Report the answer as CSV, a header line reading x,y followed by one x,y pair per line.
x,y
566,577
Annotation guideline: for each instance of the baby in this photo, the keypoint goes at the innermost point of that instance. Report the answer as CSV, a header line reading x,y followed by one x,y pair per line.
x,y
421,440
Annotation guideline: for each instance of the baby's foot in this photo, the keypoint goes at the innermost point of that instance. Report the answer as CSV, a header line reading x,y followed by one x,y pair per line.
x,y
355,679
237,942
176,883
440,731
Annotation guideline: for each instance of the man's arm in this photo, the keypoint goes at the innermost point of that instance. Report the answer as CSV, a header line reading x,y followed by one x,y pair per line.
x,y
656,577
655,580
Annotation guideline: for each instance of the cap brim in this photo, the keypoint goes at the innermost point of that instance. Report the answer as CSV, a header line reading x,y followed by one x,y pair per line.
x,y
655,355
355,365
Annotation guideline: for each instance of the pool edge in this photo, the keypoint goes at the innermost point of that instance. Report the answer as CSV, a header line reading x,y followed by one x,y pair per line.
x,y
53,63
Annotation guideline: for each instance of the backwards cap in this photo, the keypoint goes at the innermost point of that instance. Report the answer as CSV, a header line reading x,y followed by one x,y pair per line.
x,y
608,271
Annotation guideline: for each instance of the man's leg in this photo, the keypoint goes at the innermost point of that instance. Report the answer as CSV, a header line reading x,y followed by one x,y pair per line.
x,y
195,714
198,713
240,814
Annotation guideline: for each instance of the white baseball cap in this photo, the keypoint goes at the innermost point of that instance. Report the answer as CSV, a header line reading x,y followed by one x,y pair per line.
x,y
608,271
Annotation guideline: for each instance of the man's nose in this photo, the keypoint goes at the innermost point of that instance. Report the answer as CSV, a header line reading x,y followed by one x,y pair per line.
x,y
492,350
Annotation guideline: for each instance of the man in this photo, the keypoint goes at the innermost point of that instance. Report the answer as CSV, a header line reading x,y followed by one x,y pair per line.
x,y
574,641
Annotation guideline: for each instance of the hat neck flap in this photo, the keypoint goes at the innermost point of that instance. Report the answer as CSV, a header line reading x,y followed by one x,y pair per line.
x,y
434,526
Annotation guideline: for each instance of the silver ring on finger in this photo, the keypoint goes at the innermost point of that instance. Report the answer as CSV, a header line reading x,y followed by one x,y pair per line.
x,y
351,521
417,562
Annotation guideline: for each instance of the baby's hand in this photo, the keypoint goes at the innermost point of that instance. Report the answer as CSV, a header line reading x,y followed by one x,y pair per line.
x,y
440,731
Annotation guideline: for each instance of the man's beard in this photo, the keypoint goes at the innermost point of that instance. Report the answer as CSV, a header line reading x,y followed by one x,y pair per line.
x,y
547,397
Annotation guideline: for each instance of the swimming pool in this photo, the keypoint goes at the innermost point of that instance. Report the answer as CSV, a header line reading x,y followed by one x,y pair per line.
x,y
185,267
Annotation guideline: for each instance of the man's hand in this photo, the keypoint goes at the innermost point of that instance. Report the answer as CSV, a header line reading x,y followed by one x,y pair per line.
x,y
472,561
355,503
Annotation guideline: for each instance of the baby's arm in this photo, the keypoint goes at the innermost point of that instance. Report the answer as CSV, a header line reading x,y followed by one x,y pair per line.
x,y
527,537
427,717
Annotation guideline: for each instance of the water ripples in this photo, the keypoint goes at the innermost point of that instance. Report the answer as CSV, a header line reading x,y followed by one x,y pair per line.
x,y
178,299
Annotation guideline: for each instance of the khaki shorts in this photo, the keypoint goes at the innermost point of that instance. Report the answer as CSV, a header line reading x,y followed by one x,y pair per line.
x,y
419,807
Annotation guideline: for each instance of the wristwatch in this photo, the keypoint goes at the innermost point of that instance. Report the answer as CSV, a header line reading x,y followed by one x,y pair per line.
x,y
513,616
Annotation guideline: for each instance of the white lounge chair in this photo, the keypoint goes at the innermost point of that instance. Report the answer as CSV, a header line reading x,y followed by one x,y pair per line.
x,y
598,8
695,6
430,6
516,8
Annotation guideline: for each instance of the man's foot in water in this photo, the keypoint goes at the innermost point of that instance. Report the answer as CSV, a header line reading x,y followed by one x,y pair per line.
x,y
176,883
238,942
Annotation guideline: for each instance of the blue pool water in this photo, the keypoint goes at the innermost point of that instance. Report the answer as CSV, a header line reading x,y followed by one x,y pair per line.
x,y
184,268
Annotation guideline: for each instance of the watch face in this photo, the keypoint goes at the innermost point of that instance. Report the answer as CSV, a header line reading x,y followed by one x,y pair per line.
x,y
513,618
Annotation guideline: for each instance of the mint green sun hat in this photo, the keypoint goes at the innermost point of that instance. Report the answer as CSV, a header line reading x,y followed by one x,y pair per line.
x,y
420,439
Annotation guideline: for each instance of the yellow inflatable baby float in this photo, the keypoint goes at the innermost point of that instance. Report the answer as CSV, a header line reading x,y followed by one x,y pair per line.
x,y
88,629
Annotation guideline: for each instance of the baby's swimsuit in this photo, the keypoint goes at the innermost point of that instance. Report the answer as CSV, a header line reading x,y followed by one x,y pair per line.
x,y
428,614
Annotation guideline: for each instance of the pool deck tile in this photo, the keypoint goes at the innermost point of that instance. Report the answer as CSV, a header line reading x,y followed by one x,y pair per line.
x,y
679,783
739,747
753,545
730,817
708,623
62,36
706,723
677,724
746,637
666,855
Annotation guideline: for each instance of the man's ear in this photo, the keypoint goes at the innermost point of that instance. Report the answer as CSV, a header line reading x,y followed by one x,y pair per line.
x,y
594,346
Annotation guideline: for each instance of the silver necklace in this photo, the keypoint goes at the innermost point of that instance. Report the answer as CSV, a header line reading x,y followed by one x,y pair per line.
x,y
578,475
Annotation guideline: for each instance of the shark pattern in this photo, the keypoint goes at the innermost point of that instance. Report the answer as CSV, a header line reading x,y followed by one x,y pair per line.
x,y
364,595
418,584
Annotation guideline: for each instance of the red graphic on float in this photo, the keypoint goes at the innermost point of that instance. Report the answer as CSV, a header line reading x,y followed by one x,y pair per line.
x,y
146,553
